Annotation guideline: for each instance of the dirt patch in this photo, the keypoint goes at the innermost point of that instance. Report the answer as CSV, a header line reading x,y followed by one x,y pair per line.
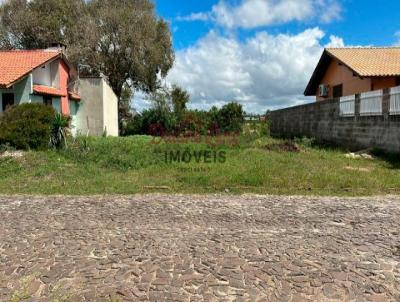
x,y
284,147
12,154
358,169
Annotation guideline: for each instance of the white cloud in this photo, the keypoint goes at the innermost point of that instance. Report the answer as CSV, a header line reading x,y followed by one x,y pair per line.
x,y
256,13
335,42
328,10
194,17
263,72
397,35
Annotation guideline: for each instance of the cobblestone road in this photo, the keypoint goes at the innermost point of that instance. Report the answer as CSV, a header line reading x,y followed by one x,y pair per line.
x,y
199,248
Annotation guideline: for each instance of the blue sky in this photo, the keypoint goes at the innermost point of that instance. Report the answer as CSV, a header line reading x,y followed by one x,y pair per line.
x,y
362,22
261,53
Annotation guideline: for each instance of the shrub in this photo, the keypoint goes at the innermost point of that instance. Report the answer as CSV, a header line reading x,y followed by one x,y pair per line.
x,y
158,122
192,123
59,131
27,126
230,118
133,126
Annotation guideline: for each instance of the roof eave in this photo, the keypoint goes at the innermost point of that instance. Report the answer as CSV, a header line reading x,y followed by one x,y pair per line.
x,y
316,76
310,91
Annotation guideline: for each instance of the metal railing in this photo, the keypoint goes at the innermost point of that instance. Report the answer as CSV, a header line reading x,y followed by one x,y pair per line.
x,y
371,102
347,105
394,107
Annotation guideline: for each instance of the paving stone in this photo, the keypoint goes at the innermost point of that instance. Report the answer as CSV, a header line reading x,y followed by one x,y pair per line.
x,y
201,248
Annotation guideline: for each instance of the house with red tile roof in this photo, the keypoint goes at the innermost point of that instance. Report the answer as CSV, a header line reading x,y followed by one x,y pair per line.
x,y
38,76
46,76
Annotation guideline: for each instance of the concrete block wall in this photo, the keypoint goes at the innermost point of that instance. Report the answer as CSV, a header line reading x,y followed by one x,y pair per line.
x,y
322,121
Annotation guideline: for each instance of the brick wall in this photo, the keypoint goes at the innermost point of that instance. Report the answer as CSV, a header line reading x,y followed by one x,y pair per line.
x,y
322,120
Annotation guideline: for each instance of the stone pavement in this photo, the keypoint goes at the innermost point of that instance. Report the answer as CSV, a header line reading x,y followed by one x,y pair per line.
x,y
199,248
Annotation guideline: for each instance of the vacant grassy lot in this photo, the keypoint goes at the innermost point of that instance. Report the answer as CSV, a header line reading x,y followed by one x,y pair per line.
x,y
252,165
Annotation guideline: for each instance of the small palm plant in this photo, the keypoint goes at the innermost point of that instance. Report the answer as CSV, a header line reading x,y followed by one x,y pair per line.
x,y
59,131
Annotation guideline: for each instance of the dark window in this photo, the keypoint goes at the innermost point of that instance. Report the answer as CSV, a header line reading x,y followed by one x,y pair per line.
x,y
398,81
338,91
47,100
8,100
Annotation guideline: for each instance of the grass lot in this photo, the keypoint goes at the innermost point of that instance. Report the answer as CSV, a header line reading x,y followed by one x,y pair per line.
x,y
256,165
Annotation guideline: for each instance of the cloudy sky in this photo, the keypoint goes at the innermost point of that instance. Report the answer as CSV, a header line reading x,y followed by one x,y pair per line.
x,y
261,53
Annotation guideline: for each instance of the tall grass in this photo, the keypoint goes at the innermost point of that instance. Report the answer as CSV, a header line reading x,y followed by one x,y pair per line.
x,y
254,163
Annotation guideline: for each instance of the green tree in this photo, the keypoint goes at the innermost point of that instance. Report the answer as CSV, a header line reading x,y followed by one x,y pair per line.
x,y
129,44
231,117
161,99
125,110
179,99
39,23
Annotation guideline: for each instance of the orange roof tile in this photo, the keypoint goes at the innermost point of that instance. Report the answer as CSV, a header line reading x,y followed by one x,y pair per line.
x,y
15,64
39,89
369,61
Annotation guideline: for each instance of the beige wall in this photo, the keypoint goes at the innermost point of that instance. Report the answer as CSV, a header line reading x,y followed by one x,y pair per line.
x,y
98,109
110,110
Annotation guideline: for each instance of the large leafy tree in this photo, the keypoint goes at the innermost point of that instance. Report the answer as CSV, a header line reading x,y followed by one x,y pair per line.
x,y
39,23
122,39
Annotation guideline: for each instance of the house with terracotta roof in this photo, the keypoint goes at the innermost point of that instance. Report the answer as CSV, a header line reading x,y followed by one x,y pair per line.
x,y
38,76
343,72
46,76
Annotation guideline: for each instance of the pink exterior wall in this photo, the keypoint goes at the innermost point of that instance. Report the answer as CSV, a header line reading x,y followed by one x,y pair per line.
x,y
64,76
339,74
382,83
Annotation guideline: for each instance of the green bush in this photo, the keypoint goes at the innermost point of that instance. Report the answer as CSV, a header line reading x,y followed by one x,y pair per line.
x,y
158,122
27,126
230,118
133,126
193,123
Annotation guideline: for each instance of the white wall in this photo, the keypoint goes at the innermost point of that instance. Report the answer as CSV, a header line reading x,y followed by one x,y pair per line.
x,y
55,73
47,75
